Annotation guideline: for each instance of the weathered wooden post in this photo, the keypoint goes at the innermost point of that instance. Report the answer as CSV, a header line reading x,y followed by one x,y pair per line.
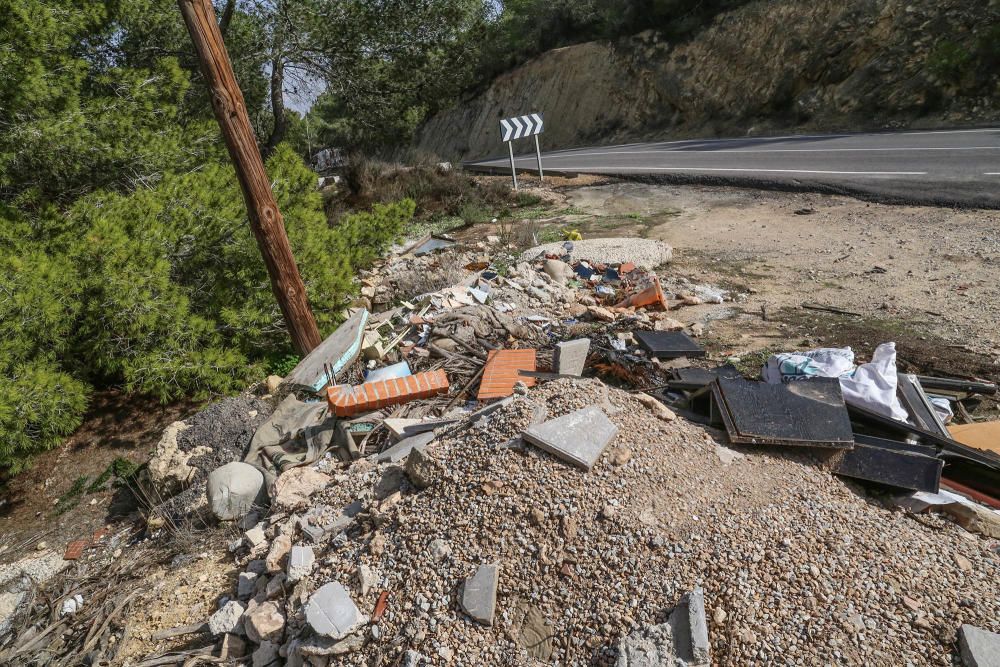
x,y
265,218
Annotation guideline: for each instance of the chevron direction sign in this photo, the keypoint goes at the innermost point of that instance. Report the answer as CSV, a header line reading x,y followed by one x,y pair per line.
x,y
521,126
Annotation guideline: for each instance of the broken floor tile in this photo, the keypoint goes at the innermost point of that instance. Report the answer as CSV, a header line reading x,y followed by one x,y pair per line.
x,y
579,437
331,611
680,642
402,449
479,594
226,619
501,372
980,648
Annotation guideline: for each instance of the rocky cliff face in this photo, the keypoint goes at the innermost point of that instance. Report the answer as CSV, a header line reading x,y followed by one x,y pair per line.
x,y
770,66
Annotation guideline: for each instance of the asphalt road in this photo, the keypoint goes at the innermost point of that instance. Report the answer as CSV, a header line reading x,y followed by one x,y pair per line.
x,y
943,167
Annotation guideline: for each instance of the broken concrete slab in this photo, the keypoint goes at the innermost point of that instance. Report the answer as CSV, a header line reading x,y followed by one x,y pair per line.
x,y
422,470
479,594
570,357
266,655
979,648
680,642
397,427
264,622
331,611
402,449
234,489
579,437
533,631
300,562
227,619
255,537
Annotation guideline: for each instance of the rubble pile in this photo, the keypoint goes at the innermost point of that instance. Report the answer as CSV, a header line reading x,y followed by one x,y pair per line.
x,y
512,460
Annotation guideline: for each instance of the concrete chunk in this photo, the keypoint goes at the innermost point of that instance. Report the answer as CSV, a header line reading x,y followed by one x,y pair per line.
x,y
570,357
680,642
300,562
246,585
226,619
331,611
402,449
979,648
479,594
579,437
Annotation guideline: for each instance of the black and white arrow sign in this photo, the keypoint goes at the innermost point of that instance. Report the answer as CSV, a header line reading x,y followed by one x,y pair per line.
x,y
521,126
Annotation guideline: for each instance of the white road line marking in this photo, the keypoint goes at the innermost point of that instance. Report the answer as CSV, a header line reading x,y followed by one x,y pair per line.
x,y
769,150
991,173
770,171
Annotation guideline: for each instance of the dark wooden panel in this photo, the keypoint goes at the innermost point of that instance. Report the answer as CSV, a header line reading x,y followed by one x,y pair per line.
x,y
892,468
669,344
808,412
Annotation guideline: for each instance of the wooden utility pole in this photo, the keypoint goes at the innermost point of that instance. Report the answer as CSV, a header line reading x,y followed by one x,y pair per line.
x,y
265,218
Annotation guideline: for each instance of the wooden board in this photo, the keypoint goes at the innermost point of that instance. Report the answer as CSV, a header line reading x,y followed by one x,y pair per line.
x,y
807,413
668,344
904,470
985,435
338,351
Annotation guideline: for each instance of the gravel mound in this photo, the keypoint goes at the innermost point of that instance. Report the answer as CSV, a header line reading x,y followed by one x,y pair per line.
x,y
644,253
226,427
798,567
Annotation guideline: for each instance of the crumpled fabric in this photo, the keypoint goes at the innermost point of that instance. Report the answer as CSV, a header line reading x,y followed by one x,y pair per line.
x,y
297,434
871,385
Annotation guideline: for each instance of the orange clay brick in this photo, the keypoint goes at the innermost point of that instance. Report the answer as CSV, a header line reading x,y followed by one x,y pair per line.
x,y
501,372
349,400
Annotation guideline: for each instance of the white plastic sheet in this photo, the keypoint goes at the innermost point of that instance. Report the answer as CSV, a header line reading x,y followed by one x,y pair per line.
x,y
871,385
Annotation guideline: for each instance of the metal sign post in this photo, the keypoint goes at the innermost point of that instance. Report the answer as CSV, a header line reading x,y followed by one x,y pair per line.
x,y
522,126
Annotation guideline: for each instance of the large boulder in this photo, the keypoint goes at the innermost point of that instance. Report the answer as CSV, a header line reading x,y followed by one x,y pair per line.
x,y
234,489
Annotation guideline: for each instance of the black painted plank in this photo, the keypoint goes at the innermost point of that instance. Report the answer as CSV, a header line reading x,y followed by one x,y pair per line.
x,y
695,378
896,445
669,344
807,412
892,468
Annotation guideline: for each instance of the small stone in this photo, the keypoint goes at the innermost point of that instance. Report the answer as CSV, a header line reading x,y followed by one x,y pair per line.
x,y
536,517
964,564
479,594
620,456
440,549
280,547
911,604
719,616
814,571
422,470
601,314
226,619
294,487
264,622
727,456
657,406
331,611
255,537
266,655
233,647
245,585
366,579
272,383
300,562
520,388
414,659
445,654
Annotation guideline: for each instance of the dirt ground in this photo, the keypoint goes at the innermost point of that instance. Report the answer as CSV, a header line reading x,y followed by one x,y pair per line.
x,y
39,504
922,276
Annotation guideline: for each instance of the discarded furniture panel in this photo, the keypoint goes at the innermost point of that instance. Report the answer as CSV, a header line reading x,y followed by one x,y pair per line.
x,y
579,437
336,353
692,378
347,400
915,401
958,385
808,413
669,344
892,467
501,372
